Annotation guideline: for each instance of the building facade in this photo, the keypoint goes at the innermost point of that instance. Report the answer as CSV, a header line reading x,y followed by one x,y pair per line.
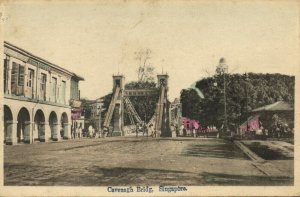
x,y
77,116
37,97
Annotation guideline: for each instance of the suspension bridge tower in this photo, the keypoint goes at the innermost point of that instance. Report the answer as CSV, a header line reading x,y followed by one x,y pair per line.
x,y
120,102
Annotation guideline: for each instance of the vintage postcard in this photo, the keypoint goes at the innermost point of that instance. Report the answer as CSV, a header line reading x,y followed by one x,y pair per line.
x,y
149,98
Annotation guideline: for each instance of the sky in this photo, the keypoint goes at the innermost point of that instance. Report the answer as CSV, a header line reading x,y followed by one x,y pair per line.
x,y
97,39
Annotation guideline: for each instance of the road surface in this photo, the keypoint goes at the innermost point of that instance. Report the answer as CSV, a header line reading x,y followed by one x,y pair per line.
x,y
133,161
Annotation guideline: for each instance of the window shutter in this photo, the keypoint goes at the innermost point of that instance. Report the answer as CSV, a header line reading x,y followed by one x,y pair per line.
x,y
21,75
14,77
5,74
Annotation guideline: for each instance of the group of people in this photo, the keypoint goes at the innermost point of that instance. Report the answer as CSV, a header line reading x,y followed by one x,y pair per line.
x,y
193,132
281,130
280,127
142,127
76,132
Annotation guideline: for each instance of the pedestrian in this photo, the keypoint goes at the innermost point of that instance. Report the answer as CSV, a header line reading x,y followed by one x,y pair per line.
x,y
75,133
266,132
106,131
151,130
98,134
184,132
93,132
145,129
72,131
79,132
90,130
136,129
61,131
177,130
278,130
181,129
194,132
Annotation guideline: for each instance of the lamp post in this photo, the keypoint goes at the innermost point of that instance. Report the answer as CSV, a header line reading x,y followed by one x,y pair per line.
x,y
246,91
222,68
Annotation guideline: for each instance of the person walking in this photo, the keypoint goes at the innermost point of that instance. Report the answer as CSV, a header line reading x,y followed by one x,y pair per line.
x,y
181,129
105,131
93,132
136,130
151,130
76,132
145,129
72,128
194,132
90,131
79,132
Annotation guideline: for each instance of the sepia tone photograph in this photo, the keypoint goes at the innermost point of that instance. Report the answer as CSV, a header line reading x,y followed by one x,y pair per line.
x,y
164,98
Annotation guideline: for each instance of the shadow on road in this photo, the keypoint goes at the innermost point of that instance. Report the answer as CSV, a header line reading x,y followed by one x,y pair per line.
x,y
104,142
222,149
94,176
97,176
268,153
228,179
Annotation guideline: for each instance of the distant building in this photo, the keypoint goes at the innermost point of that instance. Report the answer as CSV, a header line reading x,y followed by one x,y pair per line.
x,y
251,124
96,111
284,110
176,113
37,97
77,113
88,114
190,124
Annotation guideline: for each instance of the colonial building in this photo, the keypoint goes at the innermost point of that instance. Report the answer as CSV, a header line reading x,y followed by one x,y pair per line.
x,y
90,112
37,97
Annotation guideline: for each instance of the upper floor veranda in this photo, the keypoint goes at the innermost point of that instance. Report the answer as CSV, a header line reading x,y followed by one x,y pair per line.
x,y
31,78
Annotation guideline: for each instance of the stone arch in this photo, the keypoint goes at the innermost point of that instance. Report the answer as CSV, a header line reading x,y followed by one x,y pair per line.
x,y
64,122
39,125
8,120
53,123
23,126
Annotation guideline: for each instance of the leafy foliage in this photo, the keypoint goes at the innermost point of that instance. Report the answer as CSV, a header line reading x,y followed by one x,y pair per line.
x,y
243,93
144,106
86,105
106,101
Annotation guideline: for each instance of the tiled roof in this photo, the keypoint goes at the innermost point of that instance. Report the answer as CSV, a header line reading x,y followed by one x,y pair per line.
x,y
28,54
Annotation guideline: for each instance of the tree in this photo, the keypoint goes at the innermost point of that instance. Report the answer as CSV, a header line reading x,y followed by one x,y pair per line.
x,y
243,94
86,106
191,102
144,106
106,102
145,69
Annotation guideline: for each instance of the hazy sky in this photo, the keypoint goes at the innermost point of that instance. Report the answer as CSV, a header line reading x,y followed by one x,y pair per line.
x,y
96,39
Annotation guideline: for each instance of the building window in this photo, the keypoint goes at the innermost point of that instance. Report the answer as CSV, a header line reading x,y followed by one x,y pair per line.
x,y
54,88
21,75
63,92
118,82
30,78
5,75
17,79
30,83
14,78
43,86
74,90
